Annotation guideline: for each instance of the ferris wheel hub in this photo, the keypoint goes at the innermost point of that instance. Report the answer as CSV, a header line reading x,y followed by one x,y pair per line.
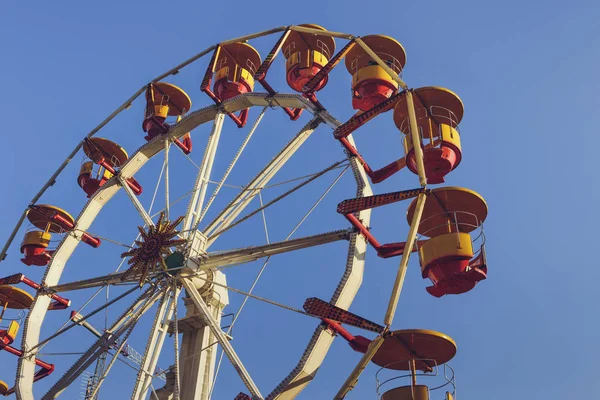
x,y
154,247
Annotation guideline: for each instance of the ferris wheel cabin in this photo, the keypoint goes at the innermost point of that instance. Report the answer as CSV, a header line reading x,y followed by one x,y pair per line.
x,y
48,220
438,111
421,353
371,84
451,217
109,157
306,54
234,70
15,298
166,100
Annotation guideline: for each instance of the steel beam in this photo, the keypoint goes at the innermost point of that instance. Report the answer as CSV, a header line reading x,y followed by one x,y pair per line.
x,y
126,322
158,333
249,254
239,203
199,192
136,203
410,242
221,338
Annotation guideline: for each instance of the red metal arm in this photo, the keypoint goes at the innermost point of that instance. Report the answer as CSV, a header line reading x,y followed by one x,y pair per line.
x,y
131,182
67,225
60,303
358,343
351,206
46,369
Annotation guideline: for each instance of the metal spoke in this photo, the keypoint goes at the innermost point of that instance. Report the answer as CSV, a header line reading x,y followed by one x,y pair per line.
x,y
90,211
155,343
231,165
410,242
249,254
177,386
136,203
108,339
280,197
110,279
64,329
112,362
199,191
239,203
246,297
167,201
221,338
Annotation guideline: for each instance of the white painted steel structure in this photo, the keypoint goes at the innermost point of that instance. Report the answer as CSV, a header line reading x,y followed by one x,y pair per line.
x,y
343,296
201,259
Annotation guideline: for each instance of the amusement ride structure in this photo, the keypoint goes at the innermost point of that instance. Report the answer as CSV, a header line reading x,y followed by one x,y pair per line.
x,y
171,258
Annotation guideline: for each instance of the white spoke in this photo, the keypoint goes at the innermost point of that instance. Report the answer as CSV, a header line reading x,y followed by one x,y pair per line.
x,y
136,203
65,328
221,338
177,385
167,201
282,196
108,339
410,242
56,267
231,165
247,296
249,254
155,343
112,362
199,192
244,198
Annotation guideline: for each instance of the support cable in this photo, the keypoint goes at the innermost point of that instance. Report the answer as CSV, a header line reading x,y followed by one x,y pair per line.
x,y
249,294
280,197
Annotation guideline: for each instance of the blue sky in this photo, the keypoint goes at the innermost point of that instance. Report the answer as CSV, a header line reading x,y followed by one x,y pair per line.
x,y
527,75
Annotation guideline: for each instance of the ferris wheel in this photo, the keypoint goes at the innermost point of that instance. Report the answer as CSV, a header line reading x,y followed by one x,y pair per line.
x,y
167,255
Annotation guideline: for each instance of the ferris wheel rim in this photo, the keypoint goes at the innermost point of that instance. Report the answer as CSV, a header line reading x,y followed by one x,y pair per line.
x,y
128,170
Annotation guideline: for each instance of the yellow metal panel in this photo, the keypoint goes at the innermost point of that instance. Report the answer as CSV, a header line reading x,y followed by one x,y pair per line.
x,y
86,168
222,73
418,392
446,133
13,330
247,77
447,245
161,111
106,174
317,58
450,135
3,388
372,72
241,74
292,60
37,238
